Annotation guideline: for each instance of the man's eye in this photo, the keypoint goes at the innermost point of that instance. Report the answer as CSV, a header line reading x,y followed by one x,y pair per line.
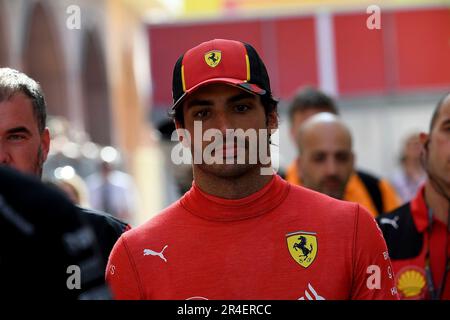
x,y
319,158
241,108
16,137
201,114
342,157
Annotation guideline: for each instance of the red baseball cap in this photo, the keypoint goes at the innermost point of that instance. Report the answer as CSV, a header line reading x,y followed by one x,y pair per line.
x,y
219,61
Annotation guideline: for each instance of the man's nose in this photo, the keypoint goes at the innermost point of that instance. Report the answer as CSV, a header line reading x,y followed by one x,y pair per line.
x,y
5,158
223,123
331,166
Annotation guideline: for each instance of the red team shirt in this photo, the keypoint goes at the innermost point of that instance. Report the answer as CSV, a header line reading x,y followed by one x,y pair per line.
x,y
410,272
282,242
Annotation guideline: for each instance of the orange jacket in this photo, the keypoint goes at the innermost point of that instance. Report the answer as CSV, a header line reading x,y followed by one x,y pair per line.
x,y
356,191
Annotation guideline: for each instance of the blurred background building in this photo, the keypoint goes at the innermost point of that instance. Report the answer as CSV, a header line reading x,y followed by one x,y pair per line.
x,y
108,83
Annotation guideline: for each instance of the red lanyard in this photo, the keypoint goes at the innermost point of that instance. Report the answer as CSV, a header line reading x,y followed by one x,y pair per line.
x,y
436,292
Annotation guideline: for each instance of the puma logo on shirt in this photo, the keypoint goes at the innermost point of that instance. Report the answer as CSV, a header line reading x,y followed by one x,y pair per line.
x,y
148,252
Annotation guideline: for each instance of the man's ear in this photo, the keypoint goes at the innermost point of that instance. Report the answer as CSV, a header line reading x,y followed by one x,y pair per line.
x,y
183,135
424,139
45,143
272,121
178,125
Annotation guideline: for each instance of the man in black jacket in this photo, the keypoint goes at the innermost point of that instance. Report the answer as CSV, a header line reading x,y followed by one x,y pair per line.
x,y
49,248
25,142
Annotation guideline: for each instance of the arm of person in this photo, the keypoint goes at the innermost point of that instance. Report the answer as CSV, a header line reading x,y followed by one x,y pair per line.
x,y
121,273
373,277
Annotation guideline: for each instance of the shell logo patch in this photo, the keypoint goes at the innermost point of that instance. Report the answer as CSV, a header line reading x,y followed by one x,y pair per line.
x,y
302,247
411,283
213,58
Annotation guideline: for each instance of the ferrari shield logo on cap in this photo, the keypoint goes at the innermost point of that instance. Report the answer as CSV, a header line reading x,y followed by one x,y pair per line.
x,y
213,57
302,247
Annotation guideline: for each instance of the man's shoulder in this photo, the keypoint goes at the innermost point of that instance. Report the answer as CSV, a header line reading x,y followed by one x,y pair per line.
x,y
400,232
320,206
318,200
397,220
99,219
156,226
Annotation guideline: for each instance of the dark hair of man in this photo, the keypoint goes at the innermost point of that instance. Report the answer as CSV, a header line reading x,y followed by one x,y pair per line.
x,y
436,111
309,98
13,82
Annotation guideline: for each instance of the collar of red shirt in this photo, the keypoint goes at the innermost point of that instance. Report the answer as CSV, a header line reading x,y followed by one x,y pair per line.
x,y
419,210
211,207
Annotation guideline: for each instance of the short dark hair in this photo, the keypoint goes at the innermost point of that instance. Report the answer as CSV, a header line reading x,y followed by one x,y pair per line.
x,y
269,103
437,110
310,98
13,82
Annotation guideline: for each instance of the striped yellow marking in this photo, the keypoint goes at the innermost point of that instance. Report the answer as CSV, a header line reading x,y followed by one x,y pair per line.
x,y
182,78
248,67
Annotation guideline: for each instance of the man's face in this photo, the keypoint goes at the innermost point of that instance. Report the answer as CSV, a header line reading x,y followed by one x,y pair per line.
x,y
22,146
413,148
438,150
222,107
326,160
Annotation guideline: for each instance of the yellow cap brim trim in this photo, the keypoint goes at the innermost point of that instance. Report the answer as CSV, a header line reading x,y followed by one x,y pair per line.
x,y
182,78
248,67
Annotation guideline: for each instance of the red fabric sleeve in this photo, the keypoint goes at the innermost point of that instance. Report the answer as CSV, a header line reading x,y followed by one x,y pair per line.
x,y
373,277
121,273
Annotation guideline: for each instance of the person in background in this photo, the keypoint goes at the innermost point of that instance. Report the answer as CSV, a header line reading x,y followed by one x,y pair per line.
x,y
375,194
112,191
25,143
75,188
418,233
326,157
411,174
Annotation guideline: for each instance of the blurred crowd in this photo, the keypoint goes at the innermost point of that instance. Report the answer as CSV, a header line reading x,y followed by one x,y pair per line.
x,y
91,175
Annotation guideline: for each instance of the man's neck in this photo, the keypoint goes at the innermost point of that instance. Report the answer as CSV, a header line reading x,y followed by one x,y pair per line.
x,y
438,203
231,188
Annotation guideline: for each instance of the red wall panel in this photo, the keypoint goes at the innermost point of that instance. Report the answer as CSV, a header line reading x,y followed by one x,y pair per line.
x,y
296,55
359,55
423,46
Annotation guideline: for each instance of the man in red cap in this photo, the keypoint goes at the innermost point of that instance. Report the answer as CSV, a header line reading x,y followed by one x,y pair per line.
x,y
241,232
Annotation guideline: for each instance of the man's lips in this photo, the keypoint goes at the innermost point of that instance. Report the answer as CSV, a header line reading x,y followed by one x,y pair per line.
x,y
230,150
331,183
